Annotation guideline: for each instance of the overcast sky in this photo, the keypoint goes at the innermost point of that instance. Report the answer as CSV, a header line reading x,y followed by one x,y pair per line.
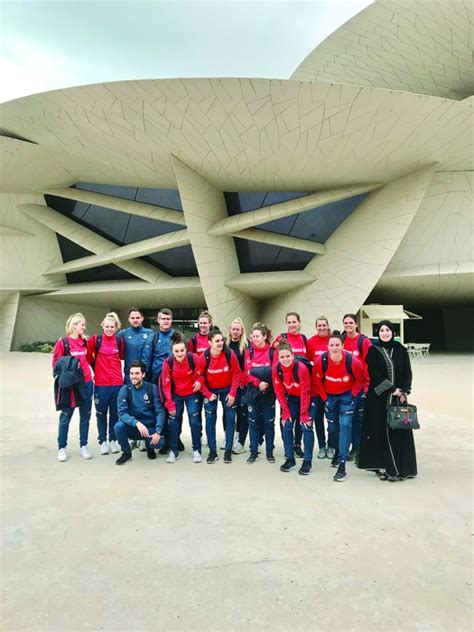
x,y
57,44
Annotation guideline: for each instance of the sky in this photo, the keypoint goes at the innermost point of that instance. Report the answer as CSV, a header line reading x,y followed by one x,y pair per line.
x,y
63,43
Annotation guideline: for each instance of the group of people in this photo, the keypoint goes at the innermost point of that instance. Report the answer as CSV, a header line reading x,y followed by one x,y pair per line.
x,y
339,385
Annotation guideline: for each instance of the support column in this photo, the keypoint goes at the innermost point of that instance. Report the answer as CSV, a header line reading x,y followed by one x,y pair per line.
x,y
216,259
8,312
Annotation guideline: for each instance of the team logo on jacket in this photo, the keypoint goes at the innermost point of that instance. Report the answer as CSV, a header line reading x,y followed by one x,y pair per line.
x,y
345,378
146,398
356,353
145,336
96,400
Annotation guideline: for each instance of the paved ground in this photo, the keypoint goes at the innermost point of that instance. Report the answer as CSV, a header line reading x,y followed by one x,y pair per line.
x,y
152,546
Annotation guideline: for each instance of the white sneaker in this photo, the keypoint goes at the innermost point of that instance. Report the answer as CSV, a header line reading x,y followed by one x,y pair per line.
x,y
114,447
171,457
104,448
85,453
197,458
141,446
238,448
62,455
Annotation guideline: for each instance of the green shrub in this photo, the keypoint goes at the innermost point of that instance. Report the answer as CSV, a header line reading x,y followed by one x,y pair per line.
x,y
41,346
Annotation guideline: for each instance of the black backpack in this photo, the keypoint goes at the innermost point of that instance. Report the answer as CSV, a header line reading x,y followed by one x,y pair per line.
x,y
207,356
360,342
149,392
325,362
298,359
98,344
170,361
67,348
271,351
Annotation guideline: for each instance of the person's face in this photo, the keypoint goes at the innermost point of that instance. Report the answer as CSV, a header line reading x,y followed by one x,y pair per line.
x,y
179,351
292,324
136,376
258,338
135,319
350,325
385,333
335,346
79,328
322,328
109,327
217,343
204,326
285,357
164,321
235,331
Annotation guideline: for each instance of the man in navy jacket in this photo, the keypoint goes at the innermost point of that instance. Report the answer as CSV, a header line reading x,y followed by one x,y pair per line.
x,y
137,340
141,414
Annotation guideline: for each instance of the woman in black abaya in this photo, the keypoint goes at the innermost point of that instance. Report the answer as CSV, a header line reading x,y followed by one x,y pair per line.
x,y
389,453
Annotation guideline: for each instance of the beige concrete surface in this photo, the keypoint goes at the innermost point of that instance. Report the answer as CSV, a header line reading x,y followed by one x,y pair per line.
x,y
151,546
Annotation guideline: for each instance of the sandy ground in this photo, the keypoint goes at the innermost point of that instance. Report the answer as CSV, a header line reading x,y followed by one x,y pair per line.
x,y
153,546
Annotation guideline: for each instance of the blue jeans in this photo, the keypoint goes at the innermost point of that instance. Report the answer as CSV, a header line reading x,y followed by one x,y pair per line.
x,y
317,415
124,432
105,400
210,413
306,431
339,412
84,418
359,405
242,418
193,406
262,410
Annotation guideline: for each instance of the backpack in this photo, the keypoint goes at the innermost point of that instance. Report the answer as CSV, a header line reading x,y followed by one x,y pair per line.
x,y
207,356
67,348
271,351
170,360
360,342
149,392
296,365
325,363
98,343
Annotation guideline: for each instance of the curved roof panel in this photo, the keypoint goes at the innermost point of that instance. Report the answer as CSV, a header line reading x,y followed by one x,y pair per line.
x,y
424,47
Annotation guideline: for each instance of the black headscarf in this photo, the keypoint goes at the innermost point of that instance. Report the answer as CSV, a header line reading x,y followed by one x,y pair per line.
x,y
391,343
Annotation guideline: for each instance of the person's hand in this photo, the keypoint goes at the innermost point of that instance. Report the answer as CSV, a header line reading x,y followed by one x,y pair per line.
x,y
172,413
155,438
196,386
143,430
283,421
397,393
213,397
403,397
230,401
306,421
263,386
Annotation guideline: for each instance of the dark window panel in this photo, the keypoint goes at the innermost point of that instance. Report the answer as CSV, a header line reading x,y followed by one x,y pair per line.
x,y
140,228
175,262
126,193
256,257
71,251
249,201
111,224
168,198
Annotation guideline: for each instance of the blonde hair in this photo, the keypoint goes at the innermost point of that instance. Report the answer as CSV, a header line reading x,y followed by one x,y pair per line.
x,y
112,316
243,343
72,321
325,319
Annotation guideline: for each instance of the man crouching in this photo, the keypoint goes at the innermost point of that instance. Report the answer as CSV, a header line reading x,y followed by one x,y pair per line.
x,y
141,414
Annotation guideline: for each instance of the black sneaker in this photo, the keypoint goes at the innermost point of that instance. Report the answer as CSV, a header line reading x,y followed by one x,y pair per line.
x,y
270,457
212,458
298,451
335,460
305,468
126,456
340,476
228,456
164,450
288,465
253,457
151,454
181,447
353,454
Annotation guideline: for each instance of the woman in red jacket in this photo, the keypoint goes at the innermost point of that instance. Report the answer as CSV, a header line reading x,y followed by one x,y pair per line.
x,y
75,344
292,385
105,353
219,372
357,344
299,345
258,361
317,345
180,387
338,378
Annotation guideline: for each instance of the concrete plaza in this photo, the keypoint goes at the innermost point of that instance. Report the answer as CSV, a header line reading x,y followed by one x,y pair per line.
x,y
153,546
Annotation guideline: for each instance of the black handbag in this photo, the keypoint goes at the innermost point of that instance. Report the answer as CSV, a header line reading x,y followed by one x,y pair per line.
x,y
402,417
